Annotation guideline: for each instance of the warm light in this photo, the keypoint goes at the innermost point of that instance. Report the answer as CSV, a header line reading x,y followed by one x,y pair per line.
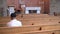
x,y
22,5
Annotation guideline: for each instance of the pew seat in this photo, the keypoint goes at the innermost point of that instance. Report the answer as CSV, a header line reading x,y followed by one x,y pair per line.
x,y
30,28
35,32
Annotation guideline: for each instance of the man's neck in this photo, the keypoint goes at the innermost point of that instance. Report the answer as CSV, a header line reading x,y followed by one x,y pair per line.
x,y
13,18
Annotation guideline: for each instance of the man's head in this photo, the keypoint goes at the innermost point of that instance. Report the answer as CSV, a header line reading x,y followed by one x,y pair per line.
x,y
13,15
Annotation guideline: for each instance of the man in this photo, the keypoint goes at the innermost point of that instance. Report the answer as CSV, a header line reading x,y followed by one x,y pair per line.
x,y
14,22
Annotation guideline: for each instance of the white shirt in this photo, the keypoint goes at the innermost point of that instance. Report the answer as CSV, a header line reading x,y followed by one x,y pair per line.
x,y
14,23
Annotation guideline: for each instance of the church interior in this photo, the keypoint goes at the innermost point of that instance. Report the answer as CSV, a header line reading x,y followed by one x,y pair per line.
x,y
37,16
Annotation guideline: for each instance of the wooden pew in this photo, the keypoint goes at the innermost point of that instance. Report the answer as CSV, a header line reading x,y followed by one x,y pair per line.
x,y
28,20
39,23
43,32
36,15
28,23
30,28
35,32
34,21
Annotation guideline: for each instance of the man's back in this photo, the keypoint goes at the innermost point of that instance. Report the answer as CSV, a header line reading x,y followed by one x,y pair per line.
x,y
14,23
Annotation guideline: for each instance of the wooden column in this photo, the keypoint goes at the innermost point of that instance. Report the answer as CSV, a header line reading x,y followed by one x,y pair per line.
x,y
47,6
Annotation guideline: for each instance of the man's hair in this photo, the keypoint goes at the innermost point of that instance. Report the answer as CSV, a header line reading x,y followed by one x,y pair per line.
x,y
13,15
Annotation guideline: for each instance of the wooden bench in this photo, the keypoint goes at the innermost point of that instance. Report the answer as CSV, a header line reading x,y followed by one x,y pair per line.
x,y
34,21
36,15
42,32
37,32
30,28
31,19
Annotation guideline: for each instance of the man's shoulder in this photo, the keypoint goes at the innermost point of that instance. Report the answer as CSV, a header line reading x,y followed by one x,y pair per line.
x,y
18,21
15,21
